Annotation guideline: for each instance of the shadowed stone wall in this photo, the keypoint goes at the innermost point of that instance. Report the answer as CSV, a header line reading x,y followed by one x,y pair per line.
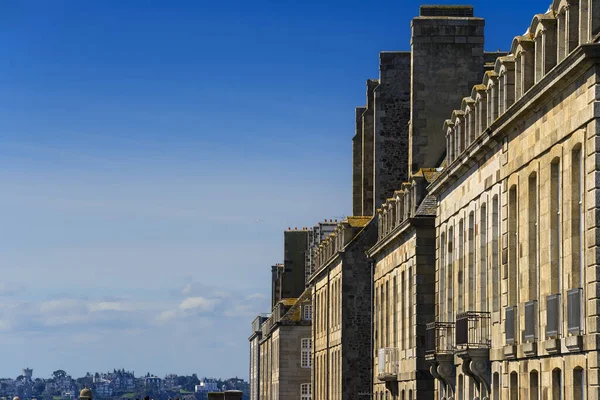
x,y
356,316
368,146
291,374
295,244
357,205
392,115
447,61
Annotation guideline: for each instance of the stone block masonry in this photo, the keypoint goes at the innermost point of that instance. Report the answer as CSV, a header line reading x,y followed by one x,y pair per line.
x,y
368,147
293,276
392,116
447,61
357,140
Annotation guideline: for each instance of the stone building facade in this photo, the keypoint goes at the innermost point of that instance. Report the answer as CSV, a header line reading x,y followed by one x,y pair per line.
x,y
470,269
403,291
281,342
316,235
284,351
517,233
446,58
255,339
341,286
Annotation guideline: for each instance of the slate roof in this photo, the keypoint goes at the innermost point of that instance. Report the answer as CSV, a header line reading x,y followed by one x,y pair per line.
x,y
428,207
428,173
294,314
358,222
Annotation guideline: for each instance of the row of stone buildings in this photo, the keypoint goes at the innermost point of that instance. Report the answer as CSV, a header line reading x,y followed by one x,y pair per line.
x,y
470,266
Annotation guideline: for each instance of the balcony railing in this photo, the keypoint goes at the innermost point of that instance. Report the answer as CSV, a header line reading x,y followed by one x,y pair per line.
x,y
574,301
473,330
530,332
553,305
387,365
440,338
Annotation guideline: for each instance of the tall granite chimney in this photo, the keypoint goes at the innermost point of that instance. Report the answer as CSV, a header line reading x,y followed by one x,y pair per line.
x,y
447,61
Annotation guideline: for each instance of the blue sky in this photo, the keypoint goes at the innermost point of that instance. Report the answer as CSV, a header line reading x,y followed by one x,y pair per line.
x,y
140,143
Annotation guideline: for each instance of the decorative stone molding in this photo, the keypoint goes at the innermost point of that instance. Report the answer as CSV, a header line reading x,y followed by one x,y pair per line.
x,y
530,349
574,343
552,346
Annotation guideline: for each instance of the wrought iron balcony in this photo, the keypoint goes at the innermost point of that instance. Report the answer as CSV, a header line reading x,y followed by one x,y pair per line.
x,y
473,330
387,365
439,339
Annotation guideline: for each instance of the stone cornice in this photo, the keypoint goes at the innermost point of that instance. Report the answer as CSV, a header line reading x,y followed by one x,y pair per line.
x,y
398,231
554,81
325,268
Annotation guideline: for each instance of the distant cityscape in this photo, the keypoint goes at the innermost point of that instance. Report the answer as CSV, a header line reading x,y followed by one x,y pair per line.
x,y
116,384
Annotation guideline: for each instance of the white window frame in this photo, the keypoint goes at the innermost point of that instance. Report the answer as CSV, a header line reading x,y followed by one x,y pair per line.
x,y
305,352
308,311
305,392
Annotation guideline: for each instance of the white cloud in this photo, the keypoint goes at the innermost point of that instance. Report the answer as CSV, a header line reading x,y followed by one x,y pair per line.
x,y
109,306
198,303
65,319
187,289
166,316
59,305
256,296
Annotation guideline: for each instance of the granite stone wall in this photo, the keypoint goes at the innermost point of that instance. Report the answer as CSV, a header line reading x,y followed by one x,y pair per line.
x,y
447,61
357,183
356,316
392,115
368,146
295,244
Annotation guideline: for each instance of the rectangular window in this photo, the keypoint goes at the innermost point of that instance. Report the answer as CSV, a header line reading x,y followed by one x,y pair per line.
x,y
411,338
461,268
512,247
305,348
334,305
394,311
381,322
305,391
555,228
471,261
339,308
402,304
308,312
450,277
442,276
376,318
387,313
483,260
576,218
495,255
533,240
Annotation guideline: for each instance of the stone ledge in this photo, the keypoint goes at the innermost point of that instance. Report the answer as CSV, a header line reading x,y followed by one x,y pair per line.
x,y
530,349
510,351
552,346
574,343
